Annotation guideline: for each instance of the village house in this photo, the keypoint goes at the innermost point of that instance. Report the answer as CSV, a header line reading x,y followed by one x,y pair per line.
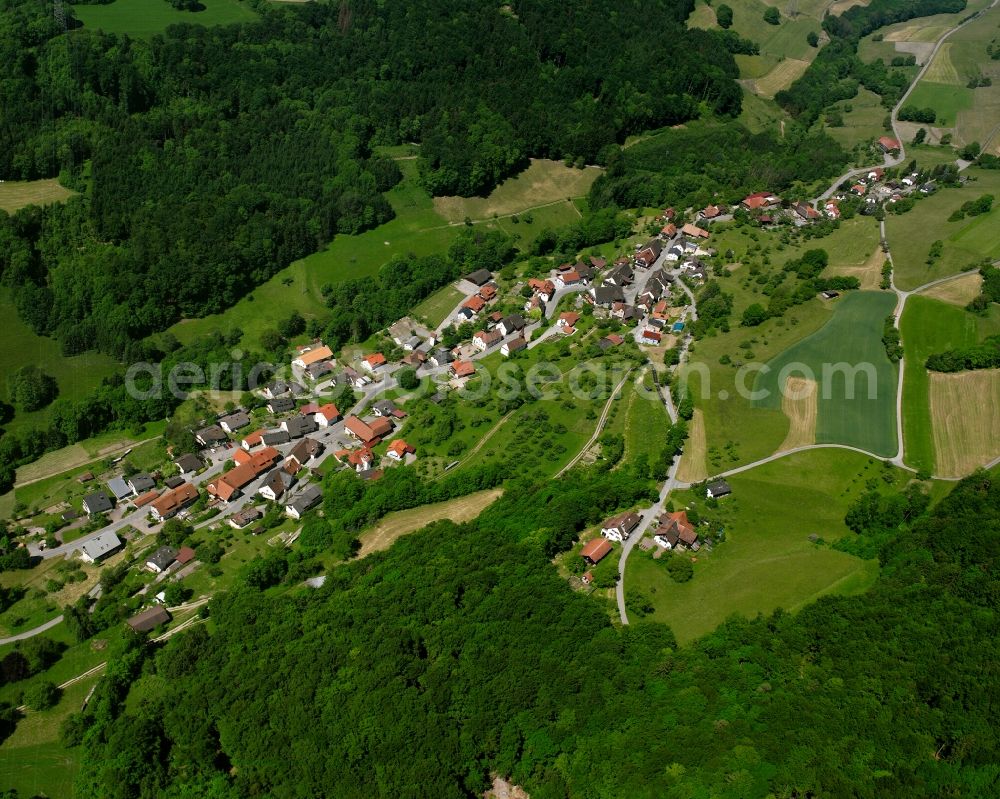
x,y
718,488
160,560
405,330
368,434
668,231
149,619
100,547
566,279
275,484
306,499
319,369
620,527
887,144
595,550
303,452
623,275
358,459
605,296
710,212
568,319
234,421
299,426
416,359
399,449
760,200
514,323
513,345
210,436
276,389
480,277
352,378
462,369
244,517
544,289
253,440
249,467
806,211
488,292
486,339
170,502
140,483
273,438
326,415
98,502
188,463
372,363
674,529
612,340
312,353
694,231
472,306
143,500
281,405
651,337
119,488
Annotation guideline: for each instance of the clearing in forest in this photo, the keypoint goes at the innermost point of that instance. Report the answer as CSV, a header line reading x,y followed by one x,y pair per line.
x,y
784,74
965,409
693,468
16,194
800,404
398,524
960,291
543,182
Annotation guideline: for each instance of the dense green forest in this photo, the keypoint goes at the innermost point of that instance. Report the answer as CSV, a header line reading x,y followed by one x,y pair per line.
x,y
460,652
212,157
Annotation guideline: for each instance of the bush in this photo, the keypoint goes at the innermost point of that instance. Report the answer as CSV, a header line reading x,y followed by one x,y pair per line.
x,y
724,16
408,379
772,16
42,695
680,568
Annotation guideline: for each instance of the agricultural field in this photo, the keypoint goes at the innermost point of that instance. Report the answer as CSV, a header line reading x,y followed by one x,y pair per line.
x,y
960,291
965,242
16,194
929,326
965,409
542,183
77,375
737,431
758,114
145,18
399,523
947,100
852,336
767,560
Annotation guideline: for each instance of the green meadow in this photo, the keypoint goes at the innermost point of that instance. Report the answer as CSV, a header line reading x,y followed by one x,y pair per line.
x,y
145,18
853,336
964,242
767,560
946,99
77,376
929,326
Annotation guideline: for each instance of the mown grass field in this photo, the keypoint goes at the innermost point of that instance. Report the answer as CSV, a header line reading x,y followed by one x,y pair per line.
x,y
399,523
862,117
853,337
77,376
32,760
945,98
964,242
544,181
435,309
965,409
145,18
929,326
15,194
767,561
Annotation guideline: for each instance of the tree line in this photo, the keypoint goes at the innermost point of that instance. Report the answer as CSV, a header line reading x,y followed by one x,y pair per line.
x,y
491,665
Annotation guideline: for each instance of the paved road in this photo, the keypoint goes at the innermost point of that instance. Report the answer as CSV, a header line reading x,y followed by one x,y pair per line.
x,y
41,628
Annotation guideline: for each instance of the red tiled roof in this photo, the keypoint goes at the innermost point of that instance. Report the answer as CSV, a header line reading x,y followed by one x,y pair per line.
x,y
475,302
595,549
463,368
375,359
329,412
400,448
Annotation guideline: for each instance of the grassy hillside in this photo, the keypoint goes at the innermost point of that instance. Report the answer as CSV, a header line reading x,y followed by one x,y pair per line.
x,y
19,346
767,560
852,336
144,18
965,242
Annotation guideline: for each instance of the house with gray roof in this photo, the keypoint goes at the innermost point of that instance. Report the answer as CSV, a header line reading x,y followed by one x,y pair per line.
x,y
100,547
